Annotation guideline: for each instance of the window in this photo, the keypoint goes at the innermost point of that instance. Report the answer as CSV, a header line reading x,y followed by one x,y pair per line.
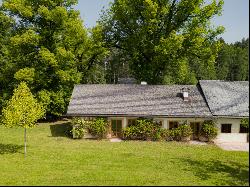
x,y
159,123
243,129
226,128
131,122
173,124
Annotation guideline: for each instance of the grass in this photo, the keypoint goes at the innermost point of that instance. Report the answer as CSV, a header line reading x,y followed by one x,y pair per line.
x,y
54,159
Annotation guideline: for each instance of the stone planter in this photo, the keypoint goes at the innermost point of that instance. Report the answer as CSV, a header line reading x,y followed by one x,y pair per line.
x,y
109,136
185,139
148,139
203,139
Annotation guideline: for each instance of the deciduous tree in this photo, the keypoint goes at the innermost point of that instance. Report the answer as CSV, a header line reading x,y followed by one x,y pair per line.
x,y
167,41
22,110
50,50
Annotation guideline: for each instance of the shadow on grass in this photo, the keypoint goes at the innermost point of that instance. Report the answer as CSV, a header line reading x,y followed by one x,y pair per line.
x,y
52,119
61,130
9,148
236,174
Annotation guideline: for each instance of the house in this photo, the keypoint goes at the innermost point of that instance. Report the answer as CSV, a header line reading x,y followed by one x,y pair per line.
x,y
170,105
228,103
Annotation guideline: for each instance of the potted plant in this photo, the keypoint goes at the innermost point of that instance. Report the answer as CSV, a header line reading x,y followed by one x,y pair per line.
x,y
185,132
208,131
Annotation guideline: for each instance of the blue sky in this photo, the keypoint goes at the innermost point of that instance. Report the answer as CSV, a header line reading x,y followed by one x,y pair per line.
x,y
235,17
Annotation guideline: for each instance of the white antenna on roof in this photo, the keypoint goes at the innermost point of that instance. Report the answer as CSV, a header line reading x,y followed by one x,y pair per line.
x,y
144,83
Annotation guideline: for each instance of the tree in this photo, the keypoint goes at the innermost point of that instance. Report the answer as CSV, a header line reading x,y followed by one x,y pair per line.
x,y
223,62
22,110
233,61
50,49
166,41
116,66
6,25
244,43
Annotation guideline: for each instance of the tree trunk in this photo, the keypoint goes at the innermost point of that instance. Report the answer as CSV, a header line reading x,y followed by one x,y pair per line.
x,y
24,142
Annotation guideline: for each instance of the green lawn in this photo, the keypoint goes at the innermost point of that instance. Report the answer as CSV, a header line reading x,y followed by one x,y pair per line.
x,y
58,160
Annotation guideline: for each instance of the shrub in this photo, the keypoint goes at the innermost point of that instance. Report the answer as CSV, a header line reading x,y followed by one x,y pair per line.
x,y
78,132
176,134
143,129
130,133
146,129
171,135
157,134
185,131
245,122
79,127
98,128
208,130
166,134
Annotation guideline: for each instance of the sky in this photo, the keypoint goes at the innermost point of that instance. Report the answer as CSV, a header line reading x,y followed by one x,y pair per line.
x,y
235,17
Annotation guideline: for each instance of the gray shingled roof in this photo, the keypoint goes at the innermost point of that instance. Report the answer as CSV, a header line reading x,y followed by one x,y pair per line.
x,y
136,100
226,98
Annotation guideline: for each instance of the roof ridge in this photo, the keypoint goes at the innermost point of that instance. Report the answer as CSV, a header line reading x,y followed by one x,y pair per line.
x,y
132,85
220,81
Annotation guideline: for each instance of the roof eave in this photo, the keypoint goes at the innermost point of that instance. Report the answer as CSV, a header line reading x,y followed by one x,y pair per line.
x,y
231,117
134,115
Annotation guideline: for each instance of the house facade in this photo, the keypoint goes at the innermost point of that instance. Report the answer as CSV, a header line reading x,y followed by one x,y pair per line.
x,y
228,103
169,105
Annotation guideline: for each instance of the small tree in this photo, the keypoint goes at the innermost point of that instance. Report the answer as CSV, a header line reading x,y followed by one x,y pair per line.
x,y
22,110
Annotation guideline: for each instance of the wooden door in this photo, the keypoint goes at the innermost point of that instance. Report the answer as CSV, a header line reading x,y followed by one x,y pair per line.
x,y
196,130
116,128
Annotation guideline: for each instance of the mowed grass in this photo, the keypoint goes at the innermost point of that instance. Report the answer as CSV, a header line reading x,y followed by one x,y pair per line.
x,y
59,160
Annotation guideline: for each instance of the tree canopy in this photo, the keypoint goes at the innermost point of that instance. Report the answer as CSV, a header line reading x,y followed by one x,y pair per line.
x,y
232,63
49,48
22,110
165,41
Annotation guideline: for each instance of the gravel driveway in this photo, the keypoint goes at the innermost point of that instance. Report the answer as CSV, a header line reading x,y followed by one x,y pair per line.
x,y
233,146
